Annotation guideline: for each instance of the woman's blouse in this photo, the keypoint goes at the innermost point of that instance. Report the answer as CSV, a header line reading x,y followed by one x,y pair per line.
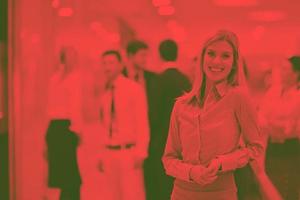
x,y
198,135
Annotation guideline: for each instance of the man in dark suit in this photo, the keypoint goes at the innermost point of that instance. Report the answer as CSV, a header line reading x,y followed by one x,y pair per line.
x,y
137,56
173,84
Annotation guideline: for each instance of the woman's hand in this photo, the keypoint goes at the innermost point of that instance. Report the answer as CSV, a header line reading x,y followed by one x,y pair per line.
x,y
202,175
215,166
230,161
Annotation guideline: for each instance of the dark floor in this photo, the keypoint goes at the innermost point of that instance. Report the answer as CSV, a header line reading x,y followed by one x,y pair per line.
x,y
4,183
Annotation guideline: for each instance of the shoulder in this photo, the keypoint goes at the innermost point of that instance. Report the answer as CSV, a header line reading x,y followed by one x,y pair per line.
x,y
130,85
150,75
240,93
126,82
175,75
171,72
183,104
242,98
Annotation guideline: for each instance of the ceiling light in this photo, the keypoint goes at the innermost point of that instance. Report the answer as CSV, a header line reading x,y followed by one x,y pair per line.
x,y
235,3
158,3
267,16
65,12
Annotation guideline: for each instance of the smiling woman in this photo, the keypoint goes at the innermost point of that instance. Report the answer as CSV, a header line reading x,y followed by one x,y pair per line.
x,y
202,163
208,120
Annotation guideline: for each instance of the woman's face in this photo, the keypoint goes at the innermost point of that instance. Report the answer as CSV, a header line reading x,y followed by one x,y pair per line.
x,y
218,61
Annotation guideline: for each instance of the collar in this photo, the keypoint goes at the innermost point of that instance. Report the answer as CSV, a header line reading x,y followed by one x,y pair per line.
x,y
132,71
221,88
169,64
218,90
115,83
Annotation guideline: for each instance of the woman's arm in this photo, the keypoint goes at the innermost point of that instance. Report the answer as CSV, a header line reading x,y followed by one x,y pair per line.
x,y
251,136
248,123
172,158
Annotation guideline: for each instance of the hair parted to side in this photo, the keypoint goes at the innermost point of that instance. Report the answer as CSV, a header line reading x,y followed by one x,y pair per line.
x,y
295,61
134,46
199,84
112,52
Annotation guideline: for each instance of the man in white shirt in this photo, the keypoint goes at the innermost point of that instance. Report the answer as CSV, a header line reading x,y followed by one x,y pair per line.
x,y
124,120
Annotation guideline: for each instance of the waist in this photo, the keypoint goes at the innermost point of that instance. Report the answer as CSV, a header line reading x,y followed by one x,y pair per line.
x,y
223,182
119,146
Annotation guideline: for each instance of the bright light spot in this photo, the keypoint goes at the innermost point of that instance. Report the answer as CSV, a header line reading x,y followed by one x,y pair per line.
x,y
267,16
235,3
65,12
159,3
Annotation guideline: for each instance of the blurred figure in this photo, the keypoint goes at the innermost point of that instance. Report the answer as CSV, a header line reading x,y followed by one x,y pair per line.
x,y
172,84
281,120
123,115
64,115
202,149
137,52
4,167
252,181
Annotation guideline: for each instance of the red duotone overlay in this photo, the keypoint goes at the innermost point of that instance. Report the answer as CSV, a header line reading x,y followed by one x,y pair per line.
x,y
150,99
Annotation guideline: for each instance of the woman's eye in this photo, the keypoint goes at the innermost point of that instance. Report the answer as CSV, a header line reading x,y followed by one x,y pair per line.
x,y
211,54
225,56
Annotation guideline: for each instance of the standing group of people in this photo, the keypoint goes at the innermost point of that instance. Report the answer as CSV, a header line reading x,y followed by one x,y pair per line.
x,y
156,129
133,114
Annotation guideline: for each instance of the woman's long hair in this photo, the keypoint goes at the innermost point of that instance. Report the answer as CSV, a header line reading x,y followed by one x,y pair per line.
x,y
295,61
198,89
